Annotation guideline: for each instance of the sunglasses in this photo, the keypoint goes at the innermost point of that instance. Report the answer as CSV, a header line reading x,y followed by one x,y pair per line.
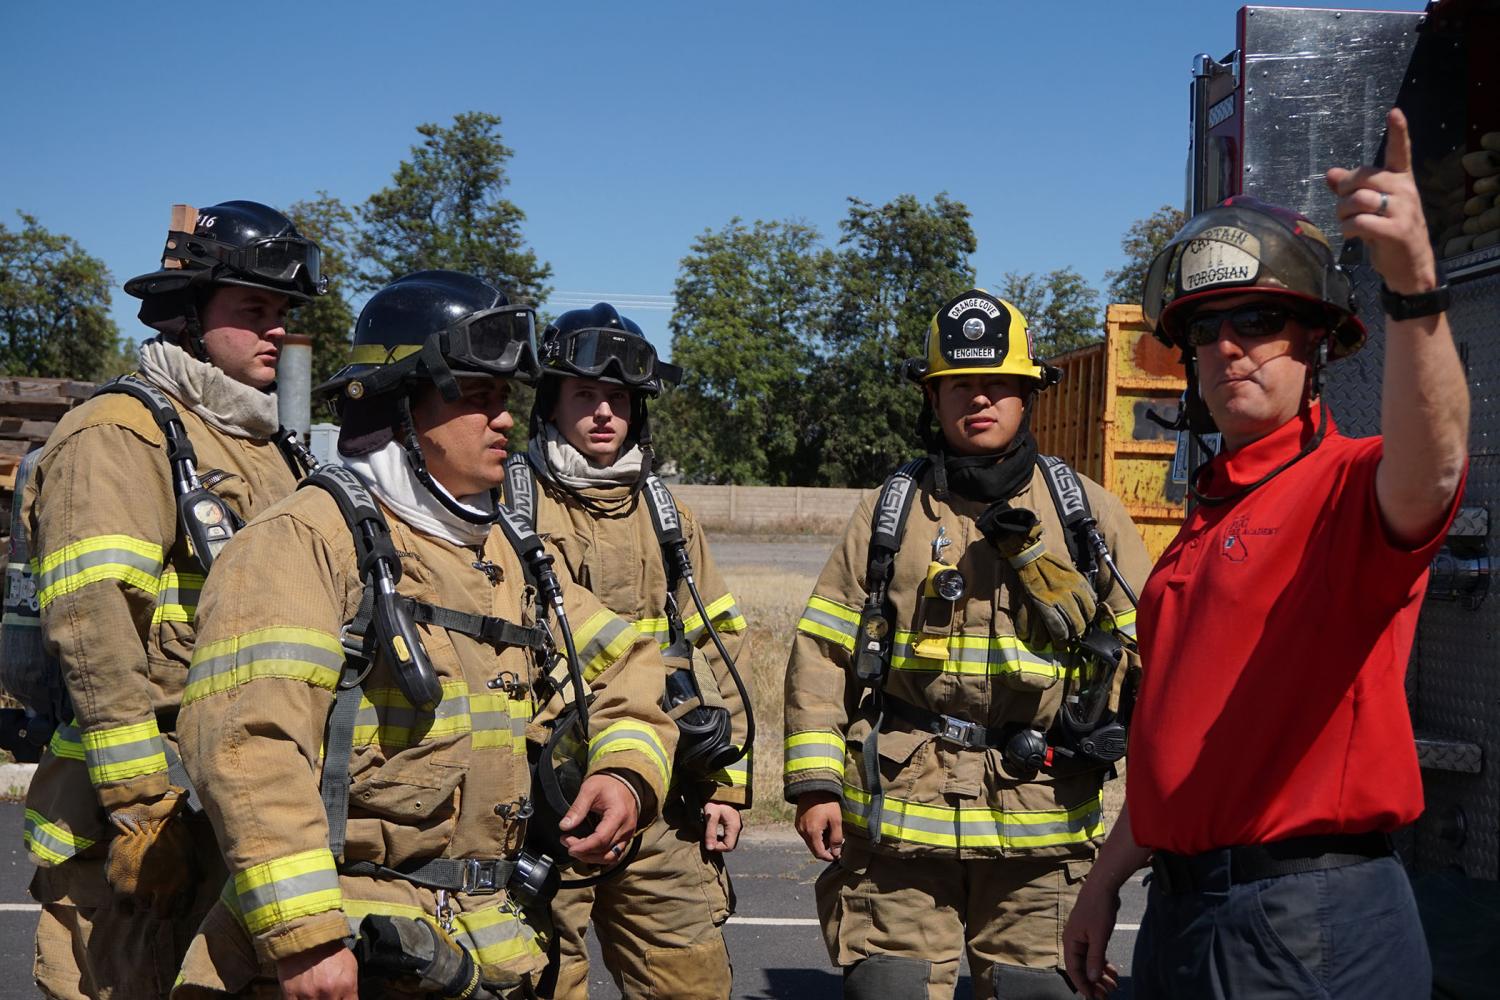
x,y
1251,321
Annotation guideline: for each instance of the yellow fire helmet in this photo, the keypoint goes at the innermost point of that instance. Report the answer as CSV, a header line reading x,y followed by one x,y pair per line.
x,y
977,333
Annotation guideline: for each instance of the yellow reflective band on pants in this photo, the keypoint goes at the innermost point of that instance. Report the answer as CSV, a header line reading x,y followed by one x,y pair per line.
x,y
102,557
977,655
626,735
293,653
601,641
813,751
722,611
123,752
830,620
50,842
287,888
736,775
177,597
494,936
976,826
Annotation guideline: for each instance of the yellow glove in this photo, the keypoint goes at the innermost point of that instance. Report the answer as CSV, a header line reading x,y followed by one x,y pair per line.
x,y
1059,601
150,858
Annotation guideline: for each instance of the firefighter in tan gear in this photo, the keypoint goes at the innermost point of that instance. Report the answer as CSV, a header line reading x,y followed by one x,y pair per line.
x,y
126,866
375,654
953,698
586,481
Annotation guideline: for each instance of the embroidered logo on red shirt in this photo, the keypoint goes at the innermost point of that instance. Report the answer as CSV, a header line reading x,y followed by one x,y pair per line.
x,y
1233,547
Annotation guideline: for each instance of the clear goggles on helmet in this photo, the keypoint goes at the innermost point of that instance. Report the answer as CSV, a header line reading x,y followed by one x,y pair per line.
x,y
592,351
285,260
499,341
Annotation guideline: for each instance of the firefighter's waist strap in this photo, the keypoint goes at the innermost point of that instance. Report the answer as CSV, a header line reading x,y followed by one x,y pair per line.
x,y
950,729
474,876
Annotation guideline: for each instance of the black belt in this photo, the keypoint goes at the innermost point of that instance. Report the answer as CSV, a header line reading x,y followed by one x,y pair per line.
x,y
1219,869
474,876
950,729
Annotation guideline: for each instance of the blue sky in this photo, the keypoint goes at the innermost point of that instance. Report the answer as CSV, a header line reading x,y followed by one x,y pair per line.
x,y
635,126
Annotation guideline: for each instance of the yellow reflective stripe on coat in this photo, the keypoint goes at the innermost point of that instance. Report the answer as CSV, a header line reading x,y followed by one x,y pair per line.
x,y
49,842
977,655
1124,621
815,750
976,826
493,935
282,890
290,652
67,742
602,640
628,735
736,775
830,620
387,719
723,612
103,557
177,596
123,752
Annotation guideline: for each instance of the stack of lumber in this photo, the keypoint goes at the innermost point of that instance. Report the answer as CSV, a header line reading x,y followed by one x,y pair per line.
x,y
29,410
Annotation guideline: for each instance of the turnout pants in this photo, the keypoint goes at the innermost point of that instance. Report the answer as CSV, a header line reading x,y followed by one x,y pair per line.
x,y
658,923
1340,933
898,925
92,944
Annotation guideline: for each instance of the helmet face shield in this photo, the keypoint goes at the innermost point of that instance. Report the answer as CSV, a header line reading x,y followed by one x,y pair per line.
x,y
281,260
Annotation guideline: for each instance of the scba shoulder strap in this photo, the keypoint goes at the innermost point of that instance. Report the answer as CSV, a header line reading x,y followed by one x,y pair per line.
x,y
1072,504
520,489
385,624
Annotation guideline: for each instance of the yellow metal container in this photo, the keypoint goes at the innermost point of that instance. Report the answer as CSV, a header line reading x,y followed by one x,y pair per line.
x,y
1095,420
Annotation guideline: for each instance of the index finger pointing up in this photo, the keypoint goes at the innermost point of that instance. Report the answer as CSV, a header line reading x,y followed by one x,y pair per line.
x,y
1397,142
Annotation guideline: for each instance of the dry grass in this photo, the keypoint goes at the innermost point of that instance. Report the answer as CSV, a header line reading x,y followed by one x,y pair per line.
x,y
772,600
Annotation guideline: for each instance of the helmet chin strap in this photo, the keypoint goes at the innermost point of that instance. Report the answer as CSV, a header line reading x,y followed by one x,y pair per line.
x,y
413,448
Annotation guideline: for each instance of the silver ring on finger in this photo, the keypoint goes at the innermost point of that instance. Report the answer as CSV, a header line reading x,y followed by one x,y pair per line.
x,y
1385,201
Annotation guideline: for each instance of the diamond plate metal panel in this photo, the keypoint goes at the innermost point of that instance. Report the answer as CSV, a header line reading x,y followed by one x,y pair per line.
x,y
1453,683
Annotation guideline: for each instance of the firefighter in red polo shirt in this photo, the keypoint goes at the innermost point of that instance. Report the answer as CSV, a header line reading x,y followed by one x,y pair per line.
x,y
1271,751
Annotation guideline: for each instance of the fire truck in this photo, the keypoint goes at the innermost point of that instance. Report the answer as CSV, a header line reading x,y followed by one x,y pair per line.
x,y
1307,89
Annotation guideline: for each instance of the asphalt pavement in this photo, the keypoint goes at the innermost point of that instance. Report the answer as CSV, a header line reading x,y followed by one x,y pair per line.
x,y
773,938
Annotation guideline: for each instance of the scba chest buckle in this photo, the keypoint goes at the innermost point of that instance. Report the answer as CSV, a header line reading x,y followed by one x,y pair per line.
x,y
964,734
485,878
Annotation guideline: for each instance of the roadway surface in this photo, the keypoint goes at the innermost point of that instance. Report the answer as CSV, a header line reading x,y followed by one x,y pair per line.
x,y
774,939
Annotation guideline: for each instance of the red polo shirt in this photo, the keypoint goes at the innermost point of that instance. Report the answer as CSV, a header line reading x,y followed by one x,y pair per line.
x,y
1275,633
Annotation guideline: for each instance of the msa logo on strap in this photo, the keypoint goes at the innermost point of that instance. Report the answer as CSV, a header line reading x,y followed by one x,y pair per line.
x,y
1069,491
892,503
351,483
522,492
663,506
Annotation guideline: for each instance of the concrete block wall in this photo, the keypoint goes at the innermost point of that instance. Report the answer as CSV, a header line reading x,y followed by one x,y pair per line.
x,y
750,507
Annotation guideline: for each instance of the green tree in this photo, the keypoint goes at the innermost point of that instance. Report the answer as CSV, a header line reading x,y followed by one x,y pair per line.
x,y
750,304
54,306
1140,244
327,319
1061,309
445,208
899,262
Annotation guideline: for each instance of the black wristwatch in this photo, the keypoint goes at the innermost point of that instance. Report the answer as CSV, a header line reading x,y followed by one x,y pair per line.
x,y
1413,306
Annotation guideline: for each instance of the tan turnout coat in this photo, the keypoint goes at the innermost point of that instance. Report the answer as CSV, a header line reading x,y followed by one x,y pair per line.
x,y
446,783
942,800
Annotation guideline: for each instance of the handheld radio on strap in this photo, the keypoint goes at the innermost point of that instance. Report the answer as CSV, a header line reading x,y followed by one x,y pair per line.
x,y
207,521
706,742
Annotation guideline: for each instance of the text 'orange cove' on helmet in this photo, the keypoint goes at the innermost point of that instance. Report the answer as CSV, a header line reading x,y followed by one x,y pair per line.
x,y
977,333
